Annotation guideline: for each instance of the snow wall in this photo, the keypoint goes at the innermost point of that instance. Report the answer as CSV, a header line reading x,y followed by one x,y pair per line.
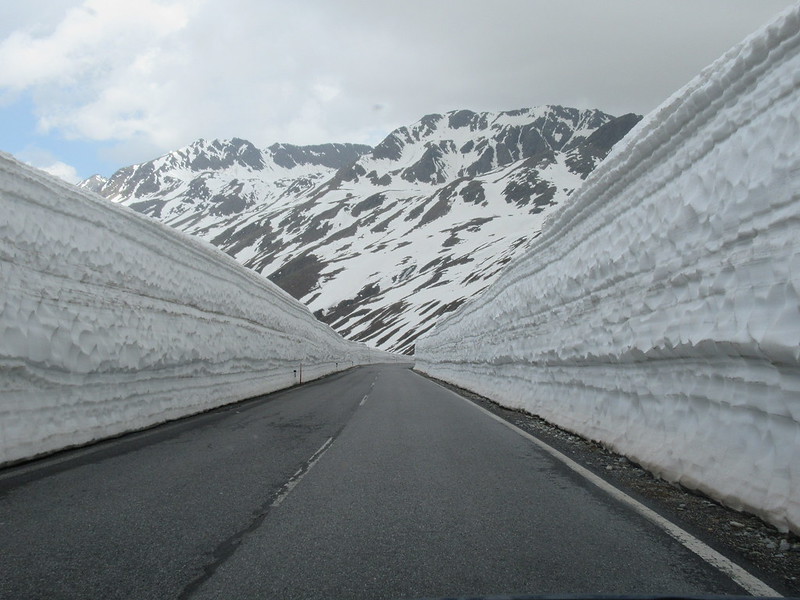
x,y
111,322
658,312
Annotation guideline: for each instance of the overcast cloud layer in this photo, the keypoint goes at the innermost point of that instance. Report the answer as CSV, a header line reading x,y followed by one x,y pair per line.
x,y
149,76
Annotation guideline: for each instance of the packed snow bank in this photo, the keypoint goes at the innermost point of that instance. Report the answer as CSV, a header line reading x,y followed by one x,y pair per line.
x,y
111,322
659,311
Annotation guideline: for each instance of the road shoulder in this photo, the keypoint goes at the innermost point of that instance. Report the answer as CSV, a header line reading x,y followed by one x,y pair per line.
x,y
770,555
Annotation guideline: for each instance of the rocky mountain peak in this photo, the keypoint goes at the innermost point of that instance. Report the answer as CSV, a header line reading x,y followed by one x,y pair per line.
x,y
464,143
94,183
222,154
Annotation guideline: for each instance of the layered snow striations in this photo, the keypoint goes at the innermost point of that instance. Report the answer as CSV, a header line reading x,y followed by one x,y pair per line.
x,y
659,311
111,322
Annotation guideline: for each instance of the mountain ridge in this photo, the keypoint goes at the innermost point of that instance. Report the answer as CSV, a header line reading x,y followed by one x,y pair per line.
x,y
379,242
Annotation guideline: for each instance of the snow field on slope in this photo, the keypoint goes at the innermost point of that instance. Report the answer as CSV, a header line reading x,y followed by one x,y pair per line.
x,y
384,258
659,311
112,322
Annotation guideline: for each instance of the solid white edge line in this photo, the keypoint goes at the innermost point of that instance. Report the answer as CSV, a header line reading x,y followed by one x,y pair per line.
x,y
297,477
749,582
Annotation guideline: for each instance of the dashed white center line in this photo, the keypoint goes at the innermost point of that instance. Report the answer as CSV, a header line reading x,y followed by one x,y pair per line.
x,y
363,400
290,485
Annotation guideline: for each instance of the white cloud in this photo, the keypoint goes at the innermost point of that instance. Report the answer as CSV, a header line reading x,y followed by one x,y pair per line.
x,y
91,40
62,170
153,75
46,161
91,73
33,15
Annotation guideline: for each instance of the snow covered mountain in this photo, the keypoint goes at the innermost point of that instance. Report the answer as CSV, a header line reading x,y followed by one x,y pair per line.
x,y
222,177
379,242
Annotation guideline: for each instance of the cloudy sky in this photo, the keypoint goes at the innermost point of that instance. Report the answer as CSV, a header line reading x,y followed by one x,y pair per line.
x,y
88,86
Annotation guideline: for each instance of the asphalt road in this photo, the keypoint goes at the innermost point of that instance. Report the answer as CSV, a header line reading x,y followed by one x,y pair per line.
x,y
374,483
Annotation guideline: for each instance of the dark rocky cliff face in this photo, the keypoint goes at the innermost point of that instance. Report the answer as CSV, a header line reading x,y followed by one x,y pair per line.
x,y
596,147
334,156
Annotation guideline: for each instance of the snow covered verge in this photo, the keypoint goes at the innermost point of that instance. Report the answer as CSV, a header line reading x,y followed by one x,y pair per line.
x,y
658,312
111,322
